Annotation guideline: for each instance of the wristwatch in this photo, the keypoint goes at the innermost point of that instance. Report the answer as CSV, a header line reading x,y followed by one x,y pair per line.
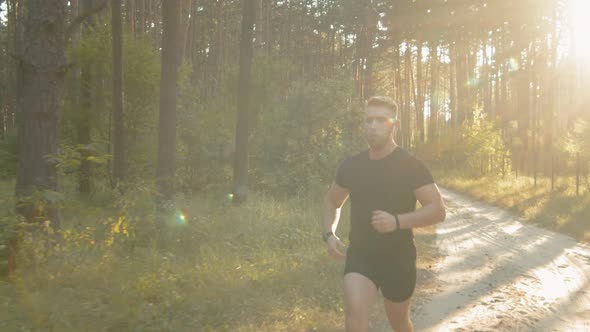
x,y
326,235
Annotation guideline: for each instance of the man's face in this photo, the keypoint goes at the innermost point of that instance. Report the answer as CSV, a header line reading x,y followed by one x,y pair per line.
x,y
379,126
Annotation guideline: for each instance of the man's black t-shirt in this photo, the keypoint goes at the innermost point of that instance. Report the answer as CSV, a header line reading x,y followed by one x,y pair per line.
x,y
385,184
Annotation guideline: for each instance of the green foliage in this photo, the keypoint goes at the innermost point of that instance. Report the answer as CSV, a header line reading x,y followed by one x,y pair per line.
x,y
468,148
69,159
141,86
574,147
300,141
258,267
225,268
205,138
11,224
577,139
299,130
141,71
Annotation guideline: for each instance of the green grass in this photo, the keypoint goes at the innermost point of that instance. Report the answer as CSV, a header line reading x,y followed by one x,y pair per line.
x,y
258,267
558,210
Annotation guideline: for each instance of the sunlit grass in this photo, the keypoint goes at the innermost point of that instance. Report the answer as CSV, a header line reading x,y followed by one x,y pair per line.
x,y
559,209
258,267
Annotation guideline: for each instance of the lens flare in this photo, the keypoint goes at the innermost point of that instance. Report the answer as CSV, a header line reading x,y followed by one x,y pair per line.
x,y
230,196
180,218
472,82
512,65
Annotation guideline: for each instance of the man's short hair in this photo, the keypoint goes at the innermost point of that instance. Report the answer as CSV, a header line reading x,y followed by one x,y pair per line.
x,y
383,101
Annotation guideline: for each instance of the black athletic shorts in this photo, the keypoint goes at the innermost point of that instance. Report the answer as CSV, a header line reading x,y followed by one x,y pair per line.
x,y
393,273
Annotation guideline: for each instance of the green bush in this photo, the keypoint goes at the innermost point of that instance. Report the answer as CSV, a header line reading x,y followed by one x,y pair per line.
x,y
469,149
300,141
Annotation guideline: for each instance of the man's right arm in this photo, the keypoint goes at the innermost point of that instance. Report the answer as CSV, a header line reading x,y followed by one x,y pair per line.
x,y
333,202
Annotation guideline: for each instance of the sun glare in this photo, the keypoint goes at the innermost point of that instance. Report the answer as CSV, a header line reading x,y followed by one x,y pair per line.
x,y
581,8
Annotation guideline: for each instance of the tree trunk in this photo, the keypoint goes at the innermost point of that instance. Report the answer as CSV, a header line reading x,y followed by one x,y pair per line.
x,y
140,28
12,65
16,23
453,87
497,98
131,15
43,66
370,29
551,106
216,55
168,88
268,27
184,24
485,81
399,92
405,111
190,39
118,118
3,103
85,113
240,185
155,19
419,95
523,105
433,124
471,83
149,19
195,58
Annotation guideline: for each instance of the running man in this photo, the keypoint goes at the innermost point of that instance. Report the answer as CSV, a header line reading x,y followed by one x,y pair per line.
x,y
384,183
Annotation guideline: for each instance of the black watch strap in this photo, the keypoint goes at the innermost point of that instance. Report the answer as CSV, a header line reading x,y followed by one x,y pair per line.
x,y
326,235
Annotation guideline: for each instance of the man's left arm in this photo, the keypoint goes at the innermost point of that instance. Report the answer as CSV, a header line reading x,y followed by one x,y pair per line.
x,y
431,212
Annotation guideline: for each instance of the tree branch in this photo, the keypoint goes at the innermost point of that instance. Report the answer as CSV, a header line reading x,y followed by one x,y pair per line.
x,y
82,17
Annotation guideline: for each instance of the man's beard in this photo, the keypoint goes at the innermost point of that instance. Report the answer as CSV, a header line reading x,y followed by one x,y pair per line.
x,y
378,143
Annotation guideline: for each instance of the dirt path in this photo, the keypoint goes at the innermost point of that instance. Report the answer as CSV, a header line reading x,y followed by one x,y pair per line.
x,y
497,274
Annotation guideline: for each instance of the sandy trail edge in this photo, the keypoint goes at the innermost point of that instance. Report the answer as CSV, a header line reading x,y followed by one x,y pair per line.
x,y
499,274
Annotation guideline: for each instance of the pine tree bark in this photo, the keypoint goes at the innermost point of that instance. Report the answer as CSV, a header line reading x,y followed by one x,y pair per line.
x,y
43,66
140,26
16,23
462,78
131,15
434,106
84,119
184,25
405,111
453,86
168,88
419,95
552,97
240,185
118,118
399,92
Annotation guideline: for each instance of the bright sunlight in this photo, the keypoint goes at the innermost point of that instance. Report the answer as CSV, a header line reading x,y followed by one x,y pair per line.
x,y
581,27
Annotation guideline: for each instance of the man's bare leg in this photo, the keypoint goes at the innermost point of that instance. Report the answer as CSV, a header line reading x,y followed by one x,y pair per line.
x,y
399,315
359,296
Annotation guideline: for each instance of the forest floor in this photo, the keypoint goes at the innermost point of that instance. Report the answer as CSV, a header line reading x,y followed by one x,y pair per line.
x,y
498,273
262,267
